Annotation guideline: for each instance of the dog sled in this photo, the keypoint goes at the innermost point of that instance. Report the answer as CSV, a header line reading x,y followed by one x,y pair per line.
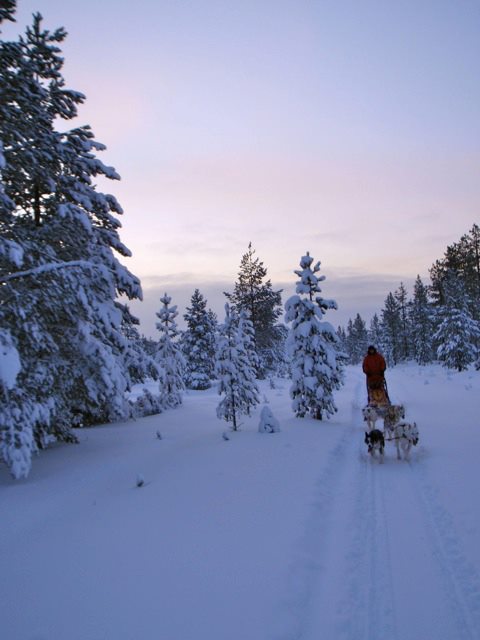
x,y
377,393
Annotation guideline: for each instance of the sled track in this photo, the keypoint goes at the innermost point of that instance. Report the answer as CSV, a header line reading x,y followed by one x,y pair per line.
x,y
460,579
366,610
349,497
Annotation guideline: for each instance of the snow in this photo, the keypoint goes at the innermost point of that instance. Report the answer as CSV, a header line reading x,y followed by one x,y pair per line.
x,y
297,535
10,365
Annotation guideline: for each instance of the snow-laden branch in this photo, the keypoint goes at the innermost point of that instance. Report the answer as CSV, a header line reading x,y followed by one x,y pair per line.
x,y
45,268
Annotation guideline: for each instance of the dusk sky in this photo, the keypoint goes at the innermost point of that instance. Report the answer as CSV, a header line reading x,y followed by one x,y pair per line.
x,y
349,129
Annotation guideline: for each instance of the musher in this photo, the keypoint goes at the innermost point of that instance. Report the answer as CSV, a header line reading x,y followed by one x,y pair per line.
x,y
374,366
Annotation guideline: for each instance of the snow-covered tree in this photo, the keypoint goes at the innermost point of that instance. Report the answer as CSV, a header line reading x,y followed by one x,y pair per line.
x,y
462,258
59,270
247,334
317,360
169,355
140,364
356,339
391,330
375,333
235,370
264,306
421,323
401,297
198,343
458,333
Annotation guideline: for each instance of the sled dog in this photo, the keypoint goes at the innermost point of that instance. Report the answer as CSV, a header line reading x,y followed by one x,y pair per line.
x,y
370,415
392,416
406,436
375,442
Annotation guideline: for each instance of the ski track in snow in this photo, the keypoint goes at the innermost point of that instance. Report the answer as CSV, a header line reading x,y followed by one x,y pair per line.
x,y
307,562
359,573
460,581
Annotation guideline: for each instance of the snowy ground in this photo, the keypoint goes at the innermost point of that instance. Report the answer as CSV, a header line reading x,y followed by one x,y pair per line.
x,y
261,537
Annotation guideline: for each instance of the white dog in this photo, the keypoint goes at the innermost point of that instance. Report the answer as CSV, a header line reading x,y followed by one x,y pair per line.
x,y
405,435
392,416
370,415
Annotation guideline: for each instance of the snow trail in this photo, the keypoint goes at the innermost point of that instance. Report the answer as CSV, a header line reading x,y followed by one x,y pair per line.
x,y
380,557
460,579
294,535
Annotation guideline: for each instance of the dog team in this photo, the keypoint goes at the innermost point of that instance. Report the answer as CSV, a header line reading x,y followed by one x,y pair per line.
x,y
395,428
404,434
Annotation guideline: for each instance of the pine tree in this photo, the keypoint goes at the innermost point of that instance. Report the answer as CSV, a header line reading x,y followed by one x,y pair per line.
x,y
357,339
458,333
317,362
234,368
262,303
375,333
391,330
198,343
7,10
58,267
342,337
169,356
140,364
247,331
421,323
401,297
462,258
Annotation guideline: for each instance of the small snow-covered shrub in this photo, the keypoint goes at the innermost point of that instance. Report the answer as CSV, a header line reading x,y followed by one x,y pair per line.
x,y
268,422
146,405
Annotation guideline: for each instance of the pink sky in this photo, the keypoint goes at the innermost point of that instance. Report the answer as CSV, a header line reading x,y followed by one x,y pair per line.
x,y
347,129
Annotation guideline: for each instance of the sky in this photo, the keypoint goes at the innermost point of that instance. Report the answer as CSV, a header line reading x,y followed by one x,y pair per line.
x,y
347,129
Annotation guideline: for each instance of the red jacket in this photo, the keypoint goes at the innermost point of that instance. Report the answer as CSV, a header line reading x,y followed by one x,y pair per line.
x,y
374,365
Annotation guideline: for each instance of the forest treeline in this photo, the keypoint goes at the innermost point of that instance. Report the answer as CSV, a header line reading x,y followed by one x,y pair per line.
x,y
440,320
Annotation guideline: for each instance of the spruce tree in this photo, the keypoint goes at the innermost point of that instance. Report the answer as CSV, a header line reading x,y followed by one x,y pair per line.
x,y
342,337
401,297
317,361
458,334
462,258
357,339
421,323
140,364
198,343
169,356
391,330
235,370
256,296
375,333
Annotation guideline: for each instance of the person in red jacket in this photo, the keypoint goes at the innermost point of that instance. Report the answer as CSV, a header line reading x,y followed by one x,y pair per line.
x,y
374,368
